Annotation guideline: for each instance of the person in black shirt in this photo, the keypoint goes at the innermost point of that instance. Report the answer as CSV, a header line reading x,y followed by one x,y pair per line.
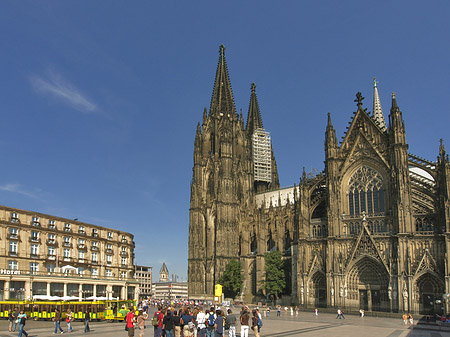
x,y
177,323
168,324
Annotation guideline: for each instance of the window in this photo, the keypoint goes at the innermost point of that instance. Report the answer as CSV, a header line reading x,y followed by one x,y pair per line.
x,y
110,235
14,217
95,244
34,249
124,239
51,268
51,238
124,249
95,233
108,259
109,246
13,232
94,272
51,224
124,261
51,251
94,257
67,239
81,241
67,227
81,255
34,267
81,230
34,236
13,265
80,270
66,253
365,192
123,274
35,221
108,272
13,247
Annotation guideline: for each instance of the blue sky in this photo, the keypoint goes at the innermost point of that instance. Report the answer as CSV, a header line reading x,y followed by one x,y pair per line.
x,y
100,99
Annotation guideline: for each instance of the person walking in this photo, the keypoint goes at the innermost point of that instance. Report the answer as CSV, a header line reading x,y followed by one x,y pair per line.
x,y
69,318
186,318
87,318
201,323
10,320
168,324
218,327
405,318
230,322
255,325
210,322
245,318
279,310
159,317
22,320
142,317
130,322
16,320
410,319
177,323
296,310
57,319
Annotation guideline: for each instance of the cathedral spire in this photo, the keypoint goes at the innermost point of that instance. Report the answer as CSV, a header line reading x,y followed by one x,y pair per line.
x,y
330,139
254,120
377,110
222,101
396,123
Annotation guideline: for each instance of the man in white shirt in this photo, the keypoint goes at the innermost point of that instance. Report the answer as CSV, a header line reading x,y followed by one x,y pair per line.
x,y
201,325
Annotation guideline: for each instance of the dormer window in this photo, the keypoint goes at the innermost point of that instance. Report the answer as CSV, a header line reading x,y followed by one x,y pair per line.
x,y
14,217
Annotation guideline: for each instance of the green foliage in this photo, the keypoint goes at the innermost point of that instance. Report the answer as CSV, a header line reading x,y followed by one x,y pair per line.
x,y
275,282
231,279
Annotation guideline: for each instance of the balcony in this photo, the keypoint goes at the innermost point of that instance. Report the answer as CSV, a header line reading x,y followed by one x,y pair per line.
x,y
51,257
14,220
95,235
109,263
67,244
52,227
124,254
12,253
51,242
82,261
94,248
35,239
35,224
13,236
94,262
67,258
34,256
81,232
124,240
67,230
82,246
109,250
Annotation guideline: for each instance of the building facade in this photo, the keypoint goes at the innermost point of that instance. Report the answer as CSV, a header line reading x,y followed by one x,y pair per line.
x,y
167,289
44,255
370,231
143,275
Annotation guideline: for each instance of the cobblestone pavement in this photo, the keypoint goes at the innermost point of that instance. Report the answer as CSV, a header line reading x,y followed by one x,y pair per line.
x,y
306,324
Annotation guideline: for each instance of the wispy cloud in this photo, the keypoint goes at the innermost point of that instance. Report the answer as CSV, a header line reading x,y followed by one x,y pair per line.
x,y
53,84
17,188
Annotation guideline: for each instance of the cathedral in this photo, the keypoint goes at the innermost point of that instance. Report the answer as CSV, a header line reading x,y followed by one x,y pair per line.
x,y
368,232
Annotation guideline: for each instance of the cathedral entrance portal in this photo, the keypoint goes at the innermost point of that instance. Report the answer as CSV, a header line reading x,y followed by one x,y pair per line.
x,y
430,291
319,285
367,282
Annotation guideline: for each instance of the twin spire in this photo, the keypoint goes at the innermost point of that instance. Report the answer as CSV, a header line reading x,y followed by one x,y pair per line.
x,y
378,116
222,101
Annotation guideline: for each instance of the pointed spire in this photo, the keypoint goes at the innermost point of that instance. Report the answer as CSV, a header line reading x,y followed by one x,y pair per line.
x,y
205,116
222,101
442,149
394,101
330,137
198,135
254,120
377,110
396,123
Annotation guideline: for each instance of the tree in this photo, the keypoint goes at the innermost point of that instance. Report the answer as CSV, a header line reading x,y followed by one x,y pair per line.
x,y
231,279
275,282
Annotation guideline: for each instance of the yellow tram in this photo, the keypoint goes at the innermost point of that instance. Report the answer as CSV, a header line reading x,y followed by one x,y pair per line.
x,y
111,309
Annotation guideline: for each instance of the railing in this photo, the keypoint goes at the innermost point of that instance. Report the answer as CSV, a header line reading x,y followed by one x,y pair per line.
x,y
13,236
378,224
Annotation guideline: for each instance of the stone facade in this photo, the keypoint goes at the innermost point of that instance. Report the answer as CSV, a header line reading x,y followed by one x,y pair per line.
x,y
370,231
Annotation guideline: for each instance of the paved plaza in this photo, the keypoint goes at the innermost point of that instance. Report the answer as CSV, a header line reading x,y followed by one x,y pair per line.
x,y
306,324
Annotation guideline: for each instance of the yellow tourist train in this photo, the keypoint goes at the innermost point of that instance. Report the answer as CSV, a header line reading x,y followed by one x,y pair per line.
x,y
112,310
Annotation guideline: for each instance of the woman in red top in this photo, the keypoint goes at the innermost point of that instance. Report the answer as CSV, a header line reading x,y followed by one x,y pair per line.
x,y
130,322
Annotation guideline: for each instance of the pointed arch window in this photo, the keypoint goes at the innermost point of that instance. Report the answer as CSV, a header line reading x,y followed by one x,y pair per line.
x,y
365,192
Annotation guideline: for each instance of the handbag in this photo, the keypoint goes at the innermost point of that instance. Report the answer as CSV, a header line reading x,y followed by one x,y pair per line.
x,y
126,326
68,320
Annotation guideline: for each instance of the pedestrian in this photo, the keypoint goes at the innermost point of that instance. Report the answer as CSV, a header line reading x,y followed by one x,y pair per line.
x,y
292,311
296,310
361,313
255,325
410,319
130,322
230,323
22,320
279,310
177,323
69,318
210,322
316,312
87,318
158,317
57,320
194,320
201,323
268,311
339,314
245,318
16,320
188,324
11,320
168,324
220,321
342,314
405,318
142,317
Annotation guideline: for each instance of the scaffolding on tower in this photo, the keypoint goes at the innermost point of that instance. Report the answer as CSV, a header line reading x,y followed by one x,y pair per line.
x,y
262,155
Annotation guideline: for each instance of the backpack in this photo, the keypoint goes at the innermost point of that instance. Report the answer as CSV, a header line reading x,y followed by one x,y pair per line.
x,y
259,322
155,319
211,320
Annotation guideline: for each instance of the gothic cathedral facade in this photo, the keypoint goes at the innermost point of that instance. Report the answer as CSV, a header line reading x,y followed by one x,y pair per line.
x,y
371,231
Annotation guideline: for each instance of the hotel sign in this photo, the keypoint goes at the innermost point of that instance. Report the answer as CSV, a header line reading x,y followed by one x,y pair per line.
x,y
9,272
